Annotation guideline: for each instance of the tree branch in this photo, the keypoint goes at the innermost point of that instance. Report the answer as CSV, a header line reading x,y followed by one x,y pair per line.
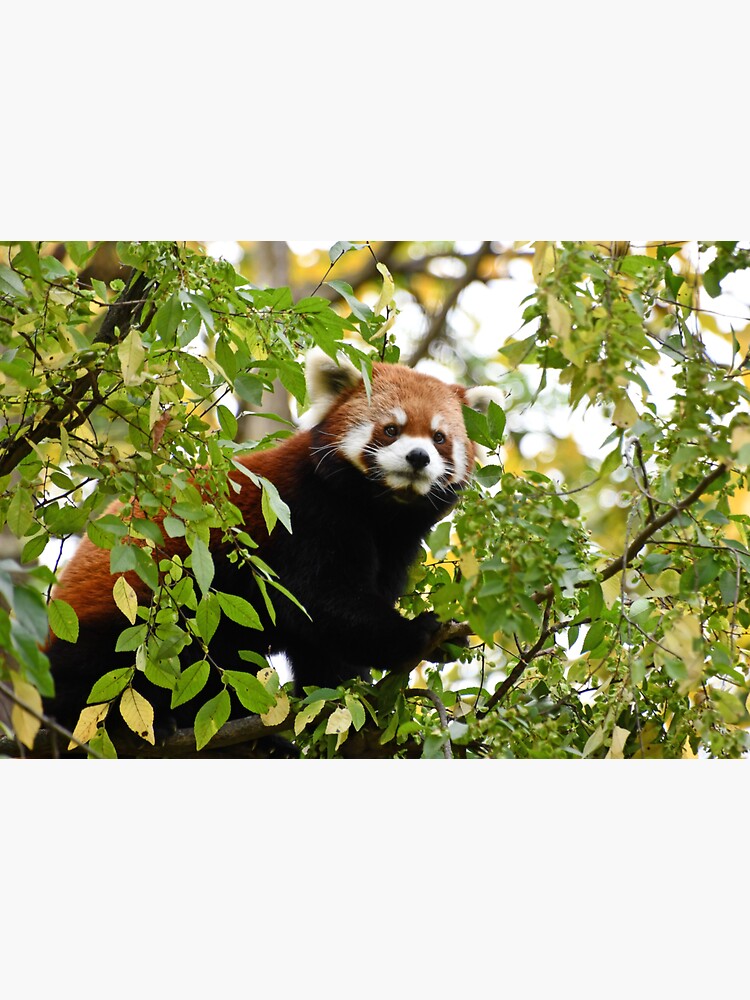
x,y
70,414
367,272
431,696
437,324
610,570
50,733
179,744
453,632
524,660
623,561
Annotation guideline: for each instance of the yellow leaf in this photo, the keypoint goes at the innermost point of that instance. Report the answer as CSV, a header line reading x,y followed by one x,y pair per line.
x,y
125,598
131,353
594,741
339,721
683,640
138,714
468,564
386,292
667,582
619,738
544,260
687,751
341,738
88,722
308,713
264,675
25,725
740,437
625,414
278,712
559,317
154,409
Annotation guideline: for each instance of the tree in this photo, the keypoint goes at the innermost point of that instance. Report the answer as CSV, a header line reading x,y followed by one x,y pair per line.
x,y
603,588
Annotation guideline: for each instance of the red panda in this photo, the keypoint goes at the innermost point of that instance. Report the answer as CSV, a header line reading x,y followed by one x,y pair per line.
x,y
365,478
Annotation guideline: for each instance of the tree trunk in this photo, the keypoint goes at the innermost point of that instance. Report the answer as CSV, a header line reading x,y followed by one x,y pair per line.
x,y
272,257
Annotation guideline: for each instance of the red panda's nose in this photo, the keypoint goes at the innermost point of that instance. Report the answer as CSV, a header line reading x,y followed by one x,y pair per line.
x,y
418,459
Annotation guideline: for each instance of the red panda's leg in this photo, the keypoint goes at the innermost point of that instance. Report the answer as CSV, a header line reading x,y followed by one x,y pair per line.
x,y
355,638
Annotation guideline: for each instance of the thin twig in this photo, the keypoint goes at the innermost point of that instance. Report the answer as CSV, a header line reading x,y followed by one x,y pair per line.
x,y
46,721
617,565
427,693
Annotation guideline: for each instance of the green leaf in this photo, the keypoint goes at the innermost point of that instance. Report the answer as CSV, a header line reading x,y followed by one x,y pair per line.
x,y
655,562
211,718
168,317
110,685
239,610
101,743
145,567
594,636
30,611
79,251
611,462
162,673
359,309
635,264
122,559
227,422
194,373
63,620
477,427
729,588
250,656
191,682
207,617
34,547
712,283
517,351
341,247
292,377
596,599
496,421
100,537
356,710
274,507
20,516
131,638
249,690
174,527
202,563
11,284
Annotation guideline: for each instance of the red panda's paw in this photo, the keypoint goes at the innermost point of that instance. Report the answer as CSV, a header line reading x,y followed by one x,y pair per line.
x,y
426,626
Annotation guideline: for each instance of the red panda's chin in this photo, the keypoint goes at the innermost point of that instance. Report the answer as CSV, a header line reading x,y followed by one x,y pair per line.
x,y
410,486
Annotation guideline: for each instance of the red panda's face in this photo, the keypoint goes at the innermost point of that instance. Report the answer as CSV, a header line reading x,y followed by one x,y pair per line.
x,y
408,445
409,434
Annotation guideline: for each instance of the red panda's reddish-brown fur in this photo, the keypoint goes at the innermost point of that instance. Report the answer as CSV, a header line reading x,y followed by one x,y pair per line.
x,y
365,481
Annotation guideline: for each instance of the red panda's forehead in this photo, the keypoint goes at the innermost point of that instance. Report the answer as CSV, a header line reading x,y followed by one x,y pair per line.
x,y
401,391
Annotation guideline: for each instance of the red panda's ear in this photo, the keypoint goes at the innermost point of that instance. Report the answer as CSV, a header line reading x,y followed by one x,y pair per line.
x,y
480,396
326,379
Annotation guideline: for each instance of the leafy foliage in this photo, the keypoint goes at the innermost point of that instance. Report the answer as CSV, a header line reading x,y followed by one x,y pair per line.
x,y
617,631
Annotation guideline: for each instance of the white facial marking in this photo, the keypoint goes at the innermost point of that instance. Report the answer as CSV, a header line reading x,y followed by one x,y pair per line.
x,y
354,442
459,462
437,422
399,416
400,474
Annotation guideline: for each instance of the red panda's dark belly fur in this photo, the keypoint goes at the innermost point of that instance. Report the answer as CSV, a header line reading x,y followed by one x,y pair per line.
x,y
346,561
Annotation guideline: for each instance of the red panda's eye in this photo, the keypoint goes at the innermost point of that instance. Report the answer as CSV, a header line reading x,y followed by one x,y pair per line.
x,y
438,437
391,430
